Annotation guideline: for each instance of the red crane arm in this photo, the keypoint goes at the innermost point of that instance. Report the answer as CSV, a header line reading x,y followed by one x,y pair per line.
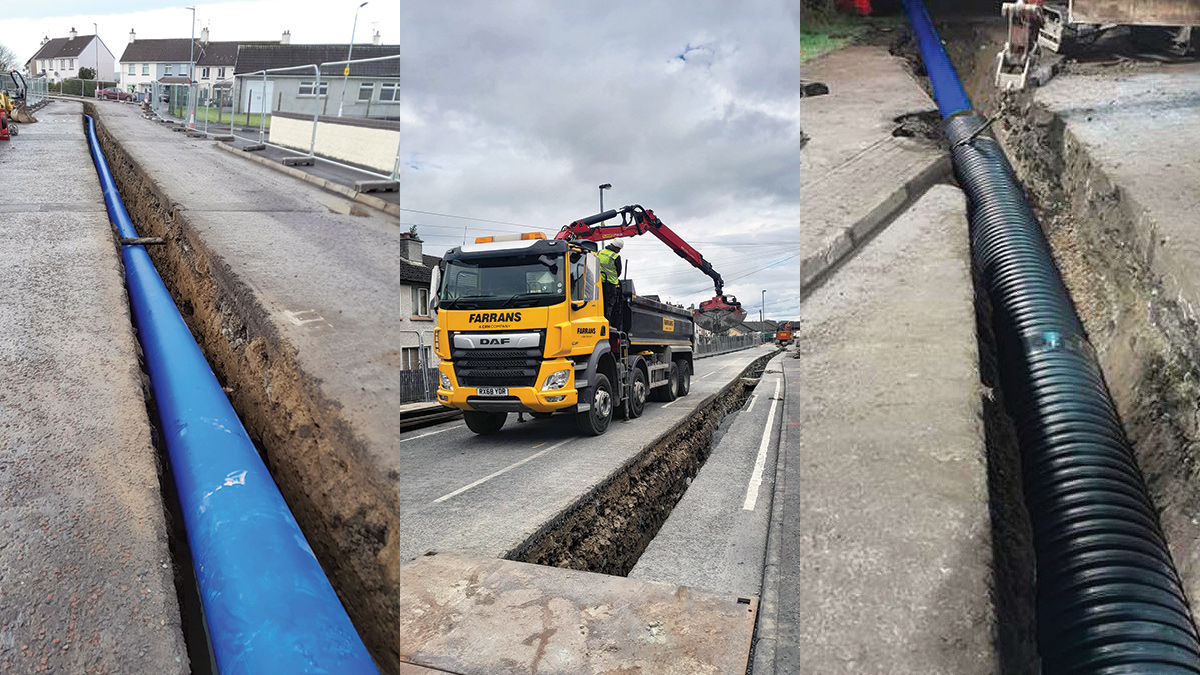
x,y
636,220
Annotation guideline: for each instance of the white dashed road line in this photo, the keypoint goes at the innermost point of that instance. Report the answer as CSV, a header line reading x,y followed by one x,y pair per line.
x,y
501,472
456,426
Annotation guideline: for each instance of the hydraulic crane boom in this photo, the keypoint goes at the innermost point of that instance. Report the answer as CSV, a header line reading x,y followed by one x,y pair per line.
x,y
718,314
636,220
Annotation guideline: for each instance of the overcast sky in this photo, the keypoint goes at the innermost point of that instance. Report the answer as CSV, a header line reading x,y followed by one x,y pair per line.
x,y
23,23
517,111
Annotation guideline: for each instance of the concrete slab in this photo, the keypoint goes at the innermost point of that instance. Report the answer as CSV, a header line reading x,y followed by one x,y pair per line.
x,y
854,174
715,538
884,539
86,579
473,615
484,496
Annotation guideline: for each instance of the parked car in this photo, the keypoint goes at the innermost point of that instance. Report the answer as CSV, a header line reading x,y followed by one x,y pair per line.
x,y
114,94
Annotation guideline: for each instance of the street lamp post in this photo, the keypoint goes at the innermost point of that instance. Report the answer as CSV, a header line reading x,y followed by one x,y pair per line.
x,y
762,312
349,57
96,62
606,186
191,125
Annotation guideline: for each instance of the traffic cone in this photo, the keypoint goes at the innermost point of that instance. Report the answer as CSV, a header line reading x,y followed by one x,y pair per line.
x,y
4,125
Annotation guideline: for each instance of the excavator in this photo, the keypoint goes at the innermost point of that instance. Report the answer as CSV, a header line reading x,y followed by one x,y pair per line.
x,y
718,314
1060,26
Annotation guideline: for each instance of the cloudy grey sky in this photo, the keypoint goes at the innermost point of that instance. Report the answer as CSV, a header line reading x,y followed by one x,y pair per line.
x,y
517,111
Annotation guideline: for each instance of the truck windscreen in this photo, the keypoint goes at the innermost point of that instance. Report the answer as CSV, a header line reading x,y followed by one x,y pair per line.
x,y
510,281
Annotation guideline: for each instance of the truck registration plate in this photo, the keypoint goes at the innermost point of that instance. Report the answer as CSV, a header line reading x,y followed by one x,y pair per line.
x,y
492,391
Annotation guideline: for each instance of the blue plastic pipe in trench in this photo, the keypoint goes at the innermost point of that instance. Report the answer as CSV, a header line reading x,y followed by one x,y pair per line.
x,y
1109,599
267,603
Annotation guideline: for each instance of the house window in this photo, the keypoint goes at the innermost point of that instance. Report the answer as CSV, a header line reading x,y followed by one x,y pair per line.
x,y
204,73
131,69
167,69
145,68
71,64
387,91
183,69
60,64
420,301
306,88
365,89
410,358
221,73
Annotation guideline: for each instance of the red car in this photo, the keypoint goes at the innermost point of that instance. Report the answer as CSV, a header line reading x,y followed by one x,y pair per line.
x,y
112,94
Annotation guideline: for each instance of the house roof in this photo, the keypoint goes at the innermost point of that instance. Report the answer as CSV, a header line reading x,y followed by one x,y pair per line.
x,y
252,58
761,325
173,79
217,54
155,51
421,274
65,48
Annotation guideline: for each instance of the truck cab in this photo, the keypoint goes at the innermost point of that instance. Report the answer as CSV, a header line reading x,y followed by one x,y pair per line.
x,y
521,328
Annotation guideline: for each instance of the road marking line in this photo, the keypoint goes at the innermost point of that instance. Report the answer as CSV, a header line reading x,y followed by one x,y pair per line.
x,y
761,461
712,373
753,398
501,472
668,405
457,426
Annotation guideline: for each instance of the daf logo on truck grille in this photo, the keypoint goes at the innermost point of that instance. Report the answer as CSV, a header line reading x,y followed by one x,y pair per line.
x,y
500,340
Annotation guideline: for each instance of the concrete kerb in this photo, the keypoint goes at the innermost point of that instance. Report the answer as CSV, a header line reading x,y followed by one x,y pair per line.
x,y
815,268
337,188
766,633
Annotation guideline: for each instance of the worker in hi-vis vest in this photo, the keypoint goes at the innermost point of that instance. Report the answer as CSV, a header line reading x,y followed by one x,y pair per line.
x,y
610,276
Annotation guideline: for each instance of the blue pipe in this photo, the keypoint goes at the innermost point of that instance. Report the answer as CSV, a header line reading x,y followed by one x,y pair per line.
x,y
947,90
267,603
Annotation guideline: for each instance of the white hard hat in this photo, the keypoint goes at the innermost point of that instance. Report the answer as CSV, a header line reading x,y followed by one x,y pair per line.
x,y
617,244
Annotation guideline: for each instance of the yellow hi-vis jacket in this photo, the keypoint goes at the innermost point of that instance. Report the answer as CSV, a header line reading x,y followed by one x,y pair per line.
x,y
608,266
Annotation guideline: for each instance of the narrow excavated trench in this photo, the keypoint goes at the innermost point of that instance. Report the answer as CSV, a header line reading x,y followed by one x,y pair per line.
x,y
1146,340
349,515
610,528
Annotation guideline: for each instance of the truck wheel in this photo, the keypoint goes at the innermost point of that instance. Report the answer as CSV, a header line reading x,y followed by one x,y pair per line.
x,y
594,421
484,423
685,378
670,391
637,394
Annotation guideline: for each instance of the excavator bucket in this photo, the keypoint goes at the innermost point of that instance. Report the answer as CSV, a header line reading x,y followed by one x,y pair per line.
x,y
719,314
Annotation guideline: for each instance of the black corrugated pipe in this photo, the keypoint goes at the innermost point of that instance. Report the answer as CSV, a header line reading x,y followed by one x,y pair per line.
x,y
1109,601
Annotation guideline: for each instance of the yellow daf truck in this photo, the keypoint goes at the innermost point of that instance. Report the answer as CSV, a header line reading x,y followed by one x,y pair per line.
x,y
521,328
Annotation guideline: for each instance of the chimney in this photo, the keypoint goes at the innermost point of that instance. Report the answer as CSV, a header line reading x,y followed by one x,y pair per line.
x,y
132,36
204,35
45,39
375,38
287,38
72,33
410,248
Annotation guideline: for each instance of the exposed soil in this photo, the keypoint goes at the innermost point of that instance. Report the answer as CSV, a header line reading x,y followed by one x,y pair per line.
x,y
610,527
348,514
926,125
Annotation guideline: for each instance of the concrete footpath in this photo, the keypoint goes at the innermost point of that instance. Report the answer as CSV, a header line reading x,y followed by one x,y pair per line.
x,y
86,583
854,174
881,553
